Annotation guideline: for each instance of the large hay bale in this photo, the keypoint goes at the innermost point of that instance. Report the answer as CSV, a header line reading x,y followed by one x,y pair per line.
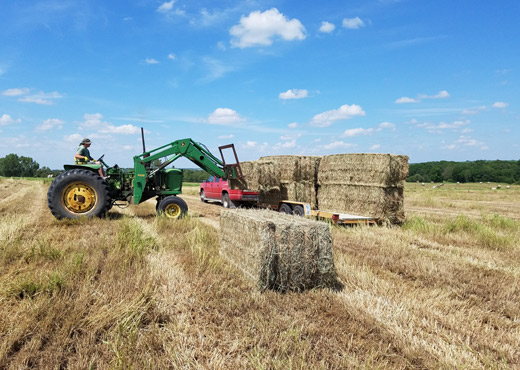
x,y
385,170
386,205
277,178
366,184
277,251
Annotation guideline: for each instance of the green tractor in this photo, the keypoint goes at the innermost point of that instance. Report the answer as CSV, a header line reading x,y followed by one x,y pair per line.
x,y
80,192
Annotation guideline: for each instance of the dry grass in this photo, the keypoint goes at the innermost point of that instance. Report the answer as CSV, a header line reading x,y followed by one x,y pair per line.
x,y
136,291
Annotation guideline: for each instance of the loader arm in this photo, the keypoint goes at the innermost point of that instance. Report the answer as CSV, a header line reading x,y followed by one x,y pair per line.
x,y
195,152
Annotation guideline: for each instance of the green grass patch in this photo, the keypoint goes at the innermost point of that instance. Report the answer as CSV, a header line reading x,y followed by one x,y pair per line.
x,y
417,224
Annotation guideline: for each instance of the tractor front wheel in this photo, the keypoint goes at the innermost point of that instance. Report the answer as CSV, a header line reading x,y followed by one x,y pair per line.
x,y
172,207
76,193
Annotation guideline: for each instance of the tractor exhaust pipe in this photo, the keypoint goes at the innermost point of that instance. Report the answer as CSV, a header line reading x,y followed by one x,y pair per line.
x,y
142,138
147,164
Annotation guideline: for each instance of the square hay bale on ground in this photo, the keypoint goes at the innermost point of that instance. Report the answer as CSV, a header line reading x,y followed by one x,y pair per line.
x,y
277,251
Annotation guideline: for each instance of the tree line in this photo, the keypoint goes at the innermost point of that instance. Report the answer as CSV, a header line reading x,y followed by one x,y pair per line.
x,y
471,171
14,166
507,172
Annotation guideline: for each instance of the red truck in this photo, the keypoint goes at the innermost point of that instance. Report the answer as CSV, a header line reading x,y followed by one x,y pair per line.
x,y
217,189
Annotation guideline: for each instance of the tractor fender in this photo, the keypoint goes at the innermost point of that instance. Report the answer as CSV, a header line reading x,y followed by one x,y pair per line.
x,y
94,167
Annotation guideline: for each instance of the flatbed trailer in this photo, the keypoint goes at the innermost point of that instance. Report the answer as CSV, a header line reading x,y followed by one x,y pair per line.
x,y
305,210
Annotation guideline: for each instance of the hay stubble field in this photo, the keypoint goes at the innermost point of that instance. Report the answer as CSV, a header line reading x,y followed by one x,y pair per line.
x,y
136,291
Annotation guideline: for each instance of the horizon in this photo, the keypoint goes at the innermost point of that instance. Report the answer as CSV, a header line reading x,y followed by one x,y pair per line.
x,y
435,81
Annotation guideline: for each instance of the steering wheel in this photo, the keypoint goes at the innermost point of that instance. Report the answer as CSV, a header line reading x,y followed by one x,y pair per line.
x,y
101,158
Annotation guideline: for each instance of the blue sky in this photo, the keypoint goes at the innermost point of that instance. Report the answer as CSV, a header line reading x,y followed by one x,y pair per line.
x,y
435,80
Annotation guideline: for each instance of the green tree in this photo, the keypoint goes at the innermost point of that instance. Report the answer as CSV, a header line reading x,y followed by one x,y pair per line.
x,y
13,166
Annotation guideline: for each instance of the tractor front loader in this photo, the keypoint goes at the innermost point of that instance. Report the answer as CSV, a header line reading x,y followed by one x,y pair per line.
x,y
80,192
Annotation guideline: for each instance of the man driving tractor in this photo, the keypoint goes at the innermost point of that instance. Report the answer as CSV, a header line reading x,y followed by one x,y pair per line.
x,y
83,155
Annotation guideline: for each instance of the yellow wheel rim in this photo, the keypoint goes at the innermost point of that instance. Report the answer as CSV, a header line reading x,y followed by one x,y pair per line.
x,y
172,211
79,198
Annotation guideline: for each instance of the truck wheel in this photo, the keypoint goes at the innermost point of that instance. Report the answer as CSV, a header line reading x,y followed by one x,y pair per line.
x,y
298,210
202,196
285,208
77,193
172,207
226,202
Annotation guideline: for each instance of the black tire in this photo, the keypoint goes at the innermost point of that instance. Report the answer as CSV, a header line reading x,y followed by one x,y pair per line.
x,y
298,210
78,193
202,196
285,208
172,207
226,202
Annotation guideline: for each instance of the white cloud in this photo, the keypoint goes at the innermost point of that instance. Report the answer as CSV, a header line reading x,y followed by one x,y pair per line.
x,y
285,145
16,92
338,145
231,136
500,105
405,100
357,131
375,147
41,98
6,119
293,125
49,124
438,128
225,116
327,27
216,68
465,141
171,56
95,122
166,7
73,138
353,23
294,94
440,95
290,137
251,144
151,61
342,113
474,110
120,130
384,125
259,29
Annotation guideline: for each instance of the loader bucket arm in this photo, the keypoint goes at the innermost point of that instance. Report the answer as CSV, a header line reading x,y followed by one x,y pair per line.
x,y
195,152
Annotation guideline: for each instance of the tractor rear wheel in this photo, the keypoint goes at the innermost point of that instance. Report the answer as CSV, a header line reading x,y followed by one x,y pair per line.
x,y
298,210
285,208
78,193
172,207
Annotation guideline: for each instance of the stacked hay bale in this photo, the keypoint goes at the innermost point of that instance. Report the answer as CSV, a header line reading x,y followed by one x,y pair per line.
x,y
366,184
277,178
278,251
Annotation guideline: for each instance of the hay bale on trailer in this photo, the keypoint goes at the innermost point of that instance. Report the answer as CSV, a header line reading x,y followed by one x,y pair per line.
x,y
277,251
367,184
276,178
